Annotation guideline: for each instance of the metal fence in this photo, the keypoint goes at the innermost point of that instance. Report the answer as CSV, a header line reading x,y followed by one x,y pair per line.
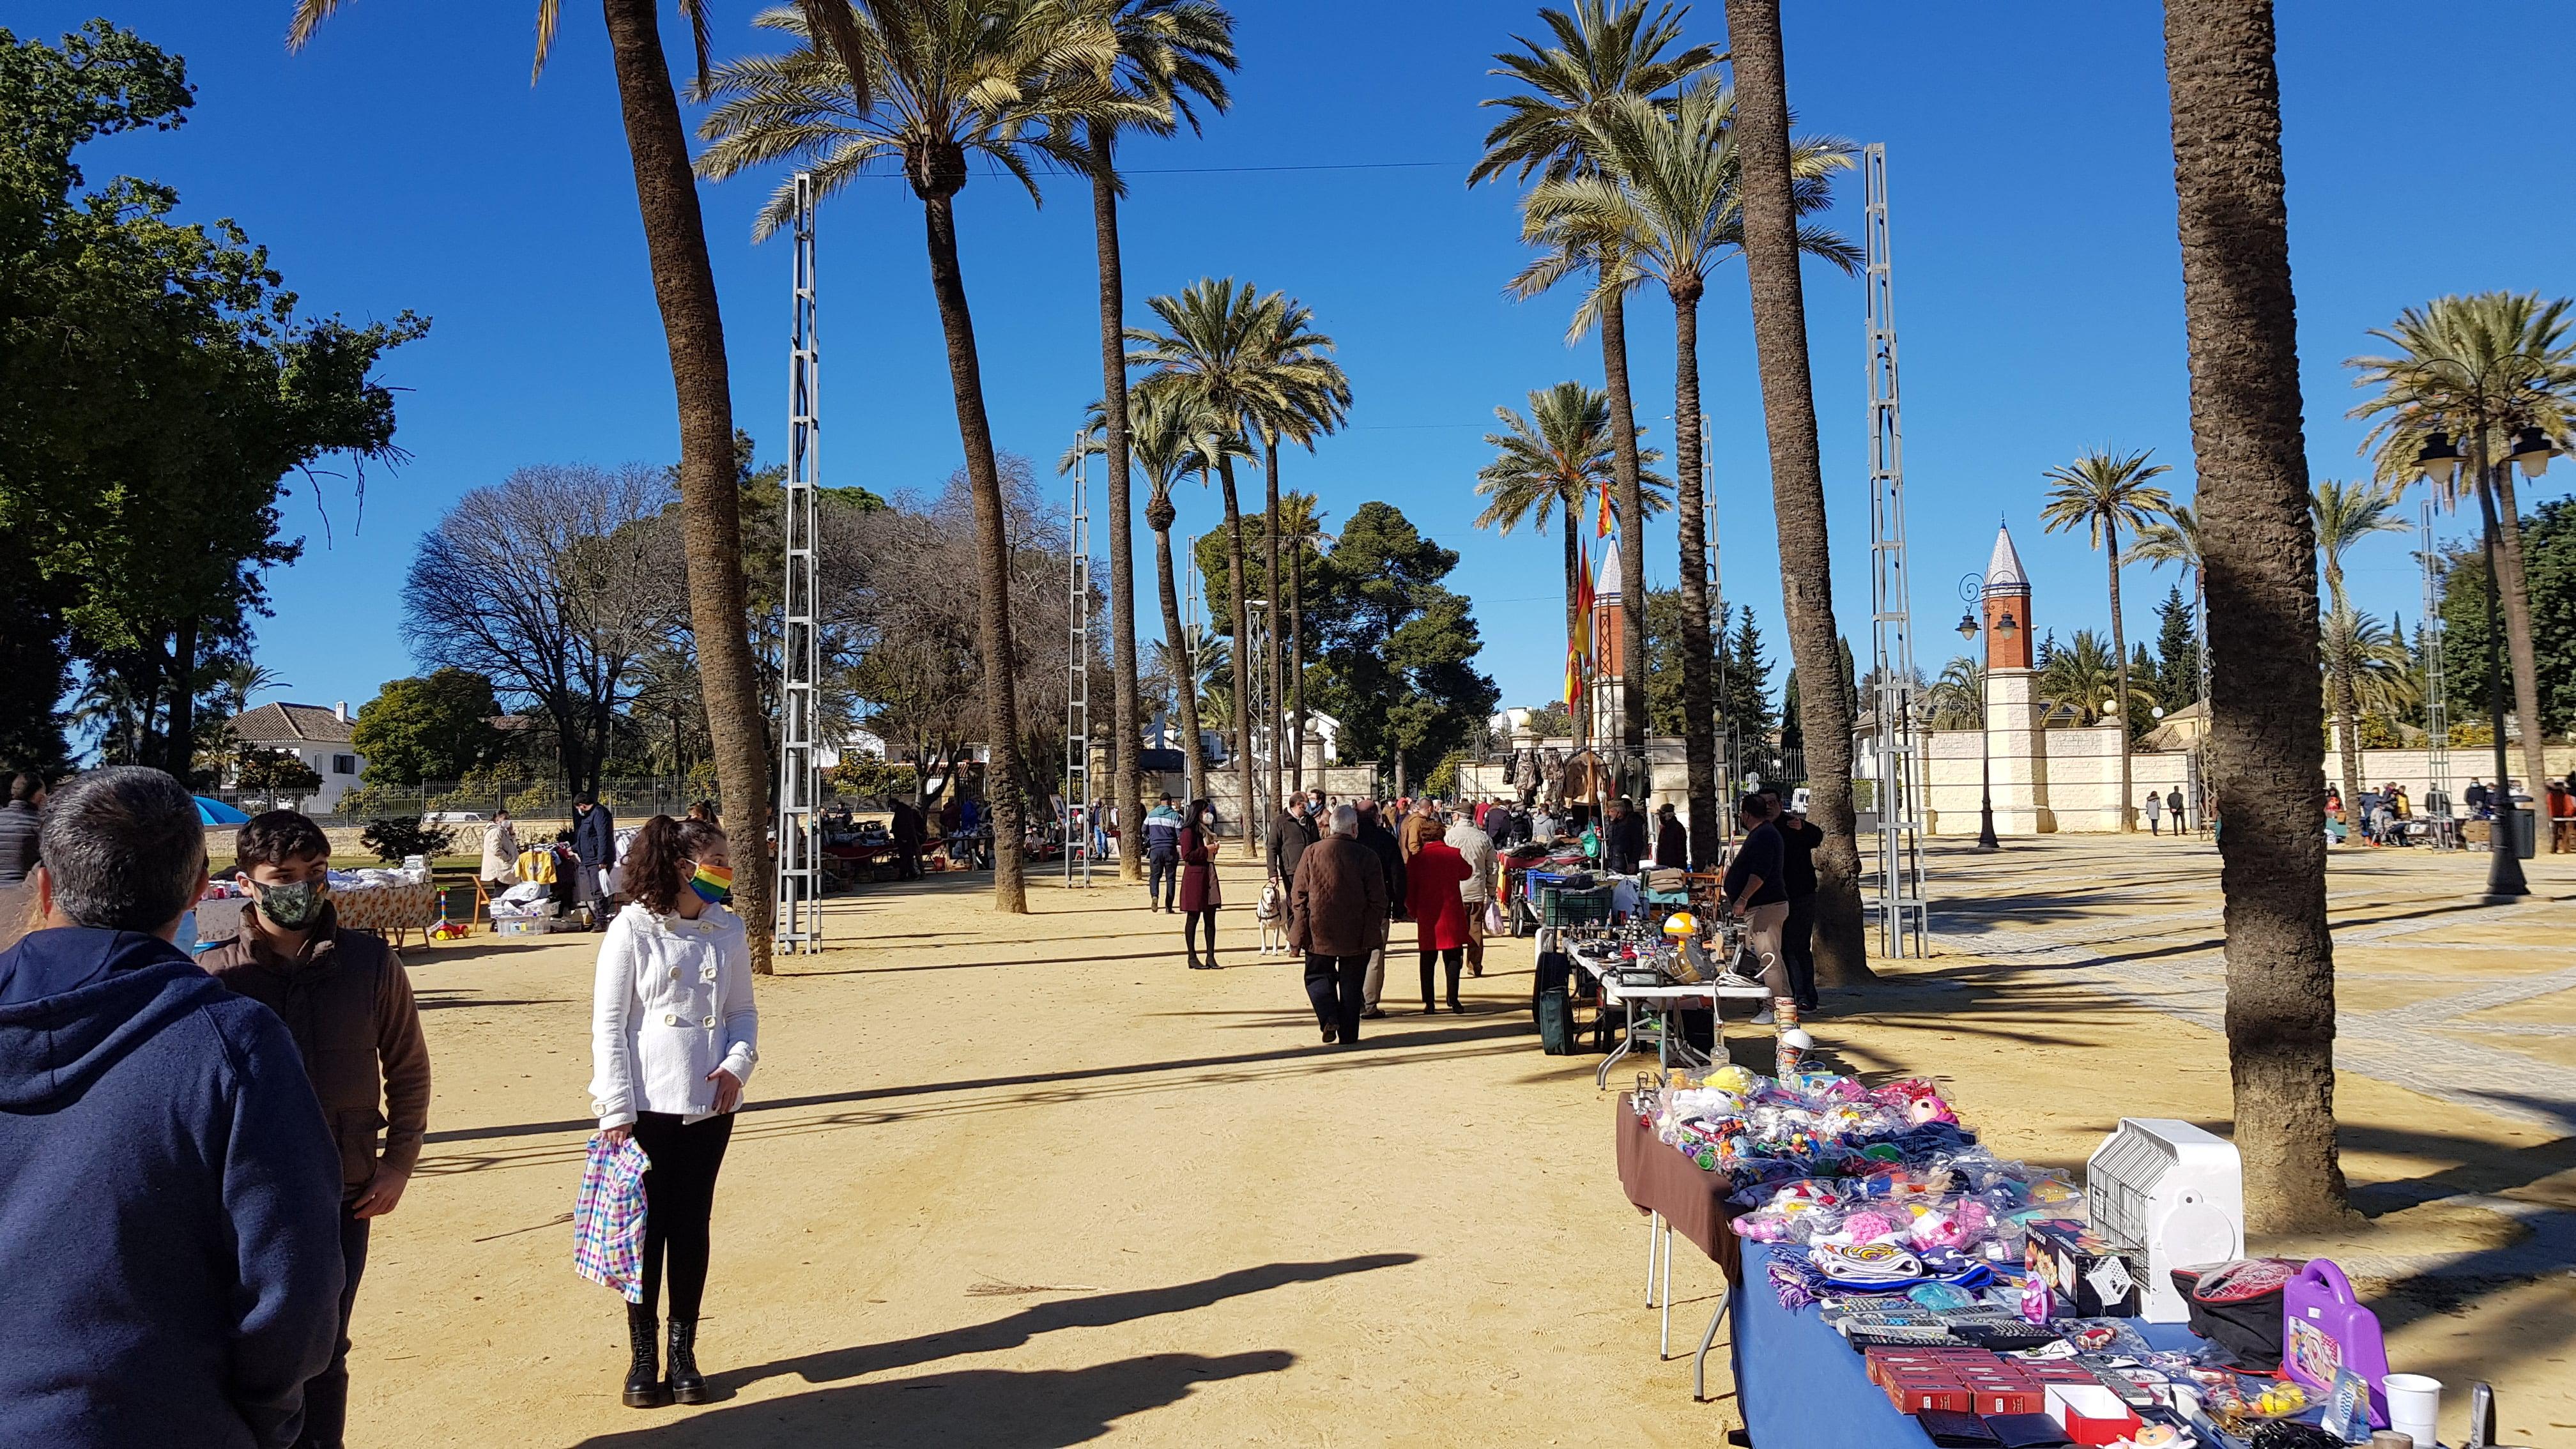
x,y
536,802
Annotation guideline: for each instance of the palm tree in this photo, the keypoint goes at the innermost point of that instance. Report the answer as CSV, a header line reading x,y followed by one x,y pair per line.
x,y
1170,54
1233,351
2345,514
2479,369
1665,178
2099,492
1318,406
235,681
1301,529
1601,51
1957,700
2369,671
2265,714
934,85
675,238
2082,677
1554,460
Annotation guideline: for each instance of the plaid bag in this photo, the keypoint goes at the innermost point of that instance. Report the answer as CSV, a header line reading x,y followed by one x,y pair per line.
x,y
608,1217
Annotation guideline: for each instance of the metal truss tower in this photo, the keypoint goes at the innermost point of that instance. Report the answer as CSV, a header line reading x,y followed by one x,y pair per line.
x,y
1900,899
2437,714
800,842
1077,695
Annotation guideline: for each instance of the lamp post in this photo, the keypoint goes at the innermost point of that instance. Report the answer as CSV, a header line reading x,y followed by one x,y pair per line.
x,y
1972,590
2439,461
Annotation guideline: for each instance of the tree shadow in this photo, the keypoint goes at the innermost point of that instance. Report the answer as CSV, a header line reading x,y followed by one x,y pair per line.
x,y
969,1408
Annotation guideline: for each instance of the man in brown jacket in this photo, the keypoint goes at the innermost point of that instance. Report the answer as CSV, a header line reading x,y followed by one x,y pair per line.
x,y
1337,916
347,1003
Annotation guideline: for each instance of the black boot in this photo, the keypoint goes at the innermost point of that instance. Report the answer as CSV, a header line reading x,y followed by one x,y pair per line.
x,y
644,1388
688,1386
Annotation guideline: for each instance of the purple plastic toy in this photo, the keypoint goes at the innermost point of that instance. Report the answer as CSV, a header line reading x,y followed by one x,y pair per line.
x,y
2323,1327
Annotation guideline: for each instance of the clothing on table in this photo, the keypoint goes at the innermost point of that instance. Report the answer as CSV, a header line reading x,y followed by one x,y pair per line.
x,y
671,1003
1337,904
347,1001
608,1217
18,832
679,1204
1477,849
1672,843
185,1292
1334,985
1432,882
1759,854
537,866
500,854
1200,889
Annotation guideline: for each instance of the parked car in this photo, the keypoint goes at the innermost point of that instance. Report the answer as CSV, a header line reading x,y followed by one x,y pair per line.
x,y
455,817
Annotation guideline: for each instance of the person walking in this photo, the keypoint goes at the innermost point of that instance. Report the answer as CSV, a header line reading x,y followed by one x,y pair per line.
x,y
594,845
1390,857
1799,838
500,865
1290,834
2154,805
674,1036
1623,838
2173,807
1201,892
1756,886
1416,827
1672,841
1476,847
1434,883
173,1267
348,1004
1162,855
908,828
20,817
1337,916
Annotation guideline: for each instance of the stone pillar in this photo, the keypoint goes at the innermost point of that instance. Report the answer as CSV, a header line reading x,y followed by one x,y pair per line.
x,y
2019,749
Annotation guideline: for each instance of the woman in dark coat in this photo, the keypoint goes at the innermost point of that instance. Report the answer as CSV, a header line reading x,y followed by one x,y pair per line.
x,y
1200,896
1671,841
1431,884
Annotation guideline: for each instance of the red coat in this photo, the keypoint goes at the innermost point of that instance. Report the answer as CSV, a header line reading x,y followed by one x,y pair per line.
x,y
1431,881
1198,872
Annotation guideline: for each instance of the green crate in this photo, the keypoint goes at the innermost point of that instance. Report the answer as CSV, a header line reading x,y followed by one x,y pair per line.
x,y
1558,906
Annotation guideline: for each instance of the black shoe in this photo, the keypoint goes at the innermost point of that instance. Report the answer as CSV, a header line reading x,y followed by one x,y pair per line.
x,y
1332,1034
1372,1014
1455,1008
644,1386
688,1386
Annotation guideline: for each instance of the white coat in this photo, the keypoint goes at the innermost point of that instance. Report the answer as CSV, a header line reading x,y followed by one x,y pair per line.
x,y
671,1004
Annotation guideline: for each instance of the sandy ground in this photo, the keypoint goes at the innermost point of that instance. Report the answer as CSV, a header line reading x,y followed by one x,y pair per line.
x,y
1026,1181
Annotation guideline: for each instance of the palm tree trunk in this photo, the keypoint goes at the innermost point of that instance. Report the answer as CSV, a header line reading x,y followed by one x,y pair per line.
x,y
1297,663
1127,714
1270,711
2120,651
1797,482
1573,621
983,475
1699,678
2516,596
2348,732
675,235
1632,531
1251,824
2260,552
1184,670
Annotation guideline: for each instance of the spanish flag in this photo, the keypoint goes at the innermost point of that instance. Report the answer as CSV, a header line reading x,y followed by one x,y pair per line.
x,y
1603,531
1578,643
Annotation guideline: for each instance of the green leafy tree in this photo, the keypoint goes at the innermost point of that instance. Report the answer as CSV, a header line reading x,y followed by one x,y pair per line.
x,y
435,727
272,774
1398,649
2177,651
401,835
2549,559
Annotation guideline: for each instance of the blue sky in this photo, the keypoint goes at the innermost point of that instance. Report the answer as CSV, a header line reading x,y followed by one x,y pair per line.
x,y
404,161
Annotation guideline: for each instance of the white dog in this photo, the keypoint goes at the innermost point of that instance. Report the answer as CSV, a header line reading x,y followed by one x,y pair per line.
x,y
1272,914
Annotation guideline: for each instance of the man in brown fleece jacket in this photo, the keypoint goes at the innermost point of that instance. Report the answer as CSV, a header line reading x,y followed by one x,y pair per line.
x,y
347,1003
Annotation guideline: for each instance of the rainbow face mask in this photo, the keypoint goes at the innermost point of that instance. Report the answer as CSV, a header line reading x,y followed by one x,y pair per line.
x,y
712,883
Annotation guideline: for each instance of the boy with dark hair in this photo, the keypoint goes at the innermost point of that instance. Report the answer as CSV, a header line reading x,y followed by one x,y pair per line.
x,y
172,1269
347,1003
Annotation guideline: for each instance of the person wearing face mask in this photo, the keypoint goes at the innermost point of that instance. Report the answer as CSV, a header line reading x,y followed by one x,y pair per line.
x,y
674,1035
346,1001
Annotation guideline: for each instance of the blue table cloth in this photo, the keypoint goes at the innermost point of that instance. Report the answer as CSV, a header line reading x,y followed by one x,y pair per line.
x,y
1799,1384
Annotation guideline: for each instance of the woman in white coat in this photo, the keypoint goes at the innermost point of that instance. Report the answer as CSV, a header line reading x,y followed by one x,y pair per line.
x,y
674,1035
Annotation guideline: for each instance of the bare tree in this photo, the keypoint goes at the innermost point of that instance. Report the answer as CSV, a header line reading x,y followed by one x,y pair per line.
x,y
547,583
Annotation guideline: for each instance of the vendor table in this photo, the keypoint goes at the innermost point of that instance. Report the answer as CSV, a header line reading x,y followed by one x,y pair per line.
x,y
1676,1194
1654,1012
390,910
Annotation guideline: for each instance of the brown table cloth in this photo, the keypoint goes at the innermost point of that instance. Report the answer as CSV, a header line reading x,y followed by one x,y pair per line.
x,y
1659,1179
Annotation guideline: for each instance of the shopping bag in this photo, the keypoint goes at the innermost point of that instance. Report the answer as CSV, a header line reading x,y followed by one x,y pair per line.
x,y
608,1217
1493,919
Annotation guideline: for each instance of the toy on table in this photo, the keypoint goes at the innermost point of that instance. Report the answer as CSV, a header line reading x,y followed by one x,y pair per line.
x,y
2325,1328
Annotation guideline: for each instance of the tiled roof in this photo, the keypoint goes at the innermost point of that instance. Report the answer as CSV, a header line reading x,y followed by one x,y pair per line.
x,y
311,723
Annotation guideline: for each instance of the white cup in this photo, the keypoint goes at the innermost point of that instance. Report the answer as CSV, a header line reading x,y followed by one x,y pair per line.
x,y
2414,1402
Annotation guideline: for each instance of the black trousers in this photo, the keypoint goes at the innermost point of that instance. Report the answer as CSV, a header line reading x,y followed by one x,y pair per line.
x,y
326,1394
1333,984
1162,878
1798,949
1190,934
679,1199
1456,957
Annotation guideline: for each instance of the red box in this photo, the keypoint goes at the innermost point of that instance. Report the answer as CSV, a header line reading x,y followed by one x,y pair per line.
x,y
1914,1398
2006,1399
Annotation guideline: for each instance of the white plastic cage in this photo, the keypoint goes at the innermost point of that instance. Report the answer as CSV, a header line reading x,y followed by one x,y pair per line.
x,y
2171,1193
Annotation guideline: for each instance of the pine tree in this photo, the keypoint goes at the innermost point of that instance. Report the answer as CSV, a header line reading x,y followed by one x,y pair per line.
x,y
2177,652
1747,697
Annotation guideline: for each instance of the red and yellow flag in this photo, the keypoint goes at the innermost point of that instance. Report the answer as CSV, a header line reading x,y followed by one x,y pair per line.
x,y
1578,643
1603,531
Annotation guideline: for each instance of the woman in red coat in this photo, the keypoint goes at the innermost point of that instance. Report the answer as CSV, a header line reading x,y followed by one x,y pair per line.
x,y
1199,893
1431,897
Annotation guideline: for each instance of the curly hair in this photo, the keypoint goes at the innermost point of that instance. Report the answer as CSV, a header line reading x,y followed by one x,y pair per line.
x,y
656,867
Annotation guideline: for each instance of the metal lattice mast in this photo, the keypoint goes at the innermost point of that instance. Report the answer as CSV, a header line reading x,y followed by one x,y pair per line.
x,y
2437,714
1077,695
1901,906
800,844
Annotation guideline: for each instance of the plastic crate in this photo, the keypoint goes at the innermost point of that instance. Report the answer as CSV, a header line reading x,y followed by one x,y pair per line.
x,y
1558,906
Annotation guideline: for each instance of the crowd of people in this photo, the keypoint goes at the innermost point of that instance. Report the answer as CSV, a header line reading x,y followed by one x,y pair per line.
x,y
207,1139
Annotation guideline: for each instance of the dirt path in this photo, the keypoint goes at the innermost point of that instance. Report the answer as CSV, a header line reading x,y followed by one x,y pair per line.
x,y
1029,1182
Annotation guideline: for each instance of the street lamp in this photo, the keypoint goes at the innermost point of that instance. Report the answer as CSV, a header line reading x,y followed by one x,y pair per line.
x,y
1972,589
2439,460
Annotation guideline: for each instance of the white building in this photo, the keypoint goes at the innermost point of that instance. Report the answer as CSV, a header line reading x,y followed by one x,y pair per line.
x,y
317,736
